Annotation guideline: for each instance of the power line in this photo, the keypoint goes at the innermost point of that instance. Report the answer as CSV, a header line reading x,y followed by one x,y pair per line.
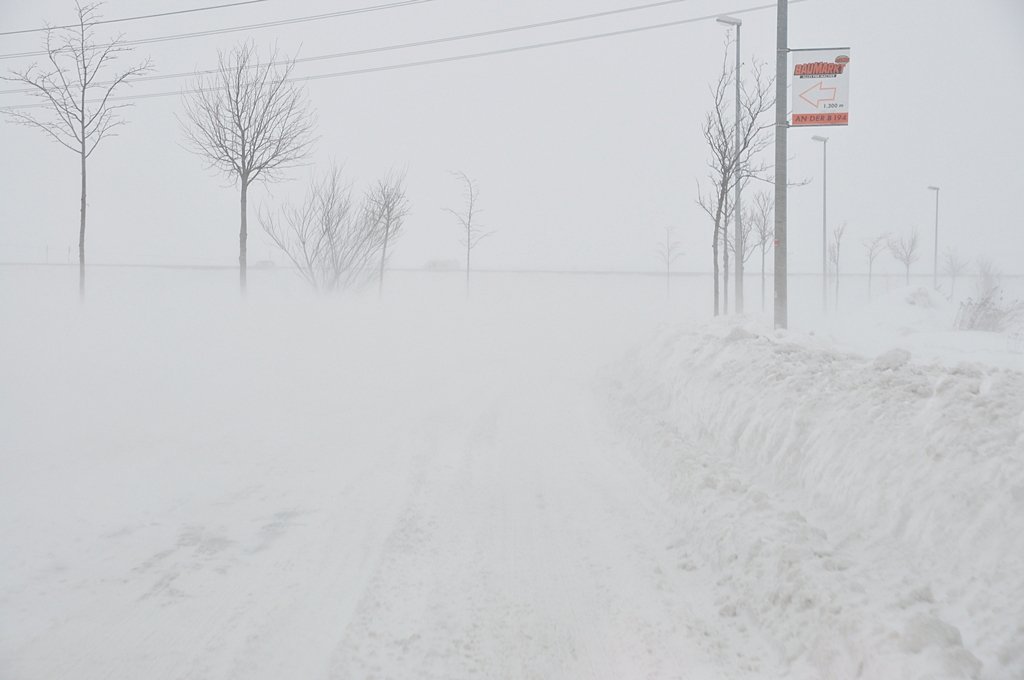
x,y
249,27
141,16
388,48
459,57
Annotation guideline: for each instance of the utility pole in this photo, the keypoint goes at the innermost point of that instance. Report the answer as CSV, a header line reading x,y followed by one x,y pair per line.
x,y
781,130
935,266
824,221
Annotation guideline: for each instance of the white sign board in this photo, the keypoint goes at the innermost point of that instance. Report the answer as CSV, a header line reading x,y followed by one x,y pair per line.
x,y
820,83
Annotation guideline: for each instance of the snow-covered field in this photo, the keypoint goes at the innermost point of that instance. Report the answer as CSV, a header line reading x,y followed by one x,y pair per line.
x,y
562,477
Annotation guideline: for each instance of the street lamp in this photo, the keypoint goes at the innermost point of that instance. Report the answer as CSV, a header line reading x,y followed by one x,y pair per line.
x,y
738,239
935,266
824,220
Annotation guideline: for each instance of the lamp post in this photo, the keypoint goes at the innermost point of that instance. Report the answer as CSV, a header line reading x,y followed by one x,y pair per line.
x,y
935,265
824,220
738,238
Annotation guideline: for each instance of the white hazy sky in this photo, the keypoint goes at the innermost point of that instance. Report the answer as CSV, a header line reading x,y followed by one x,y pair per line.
x,y
583,152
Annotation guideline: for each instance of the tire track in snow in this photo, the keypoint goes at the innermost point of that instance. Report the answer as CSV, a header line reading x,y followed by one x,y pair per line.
x,y
524,556
226,593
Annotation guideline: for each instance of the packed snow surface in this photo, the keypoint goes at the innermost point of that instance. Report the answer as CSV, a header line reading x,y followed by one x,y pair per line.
x,y
546,481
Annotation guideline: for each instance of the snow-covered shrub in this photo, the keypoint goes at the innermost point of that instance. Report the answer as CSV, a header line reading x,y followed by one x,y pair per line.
x,y
987,310
990,313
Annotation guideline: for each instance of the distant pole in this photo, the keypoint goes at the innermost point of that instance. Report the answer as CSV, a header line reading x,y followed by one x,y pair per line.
x,y
781,125
935,265
824,221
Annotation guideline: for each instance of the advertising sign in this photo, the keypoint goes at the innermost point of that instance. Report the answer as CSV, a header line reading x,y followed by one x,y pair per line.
x,y
820,83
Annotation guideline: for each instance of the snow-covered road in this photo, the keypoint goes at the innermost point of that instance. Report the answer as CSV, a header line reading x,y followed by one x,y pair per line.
x,y
516,545
458,508
361,493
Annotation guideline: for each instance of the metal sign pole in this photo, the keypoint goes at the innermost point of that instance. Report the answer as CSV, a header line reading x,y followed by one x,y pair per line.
x,y
824,227
781,129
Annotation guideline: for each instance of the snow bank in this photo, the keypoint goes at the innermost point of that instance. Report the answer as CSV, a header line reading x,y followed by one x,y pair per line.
x,y
923,321
872,517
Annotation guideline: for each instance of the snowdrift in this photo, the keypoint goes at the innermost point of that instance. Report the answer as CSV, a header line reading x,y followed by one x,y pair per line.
x,y
868,512
928,324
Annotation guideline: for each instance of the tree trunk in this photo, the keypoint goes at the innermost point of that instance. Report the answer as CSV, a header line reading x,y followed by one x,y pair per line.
x,y
837,284
383,259
762,278
870,266
242,236
740,245
469,248
81,236
384,252
714,255
725,270
908,275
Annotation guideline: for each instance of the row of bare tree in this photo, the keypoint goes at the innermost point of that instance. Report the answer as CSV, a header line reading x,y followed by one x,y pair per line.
x,y
735,160
249,121
905,249
757,236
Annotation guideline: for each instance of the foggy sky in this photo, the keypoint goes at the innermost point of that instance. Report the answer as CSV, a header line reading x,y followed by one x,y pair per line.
x,y
582,152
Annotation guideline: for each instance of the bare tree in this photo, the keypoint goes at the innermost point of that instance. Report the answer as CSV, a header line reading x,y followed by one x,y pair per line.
x,y
763,228
953,265
472,232
668,253
905,250
749,245
333,243
75,89
834,248
726,167
389,204
249,122
874,247
990,279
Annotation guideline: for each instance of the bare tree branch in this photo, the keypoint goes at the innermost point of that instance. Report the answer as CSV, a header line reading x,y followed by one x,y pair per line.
x,y
333,243
874,247
953,265
471,231
388,204
249,123
69,113
668,253
904,250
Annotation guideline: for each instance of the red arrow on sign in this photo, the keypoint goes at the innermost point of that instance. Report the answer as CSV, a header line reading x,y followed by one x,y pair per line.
x,y
818,93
